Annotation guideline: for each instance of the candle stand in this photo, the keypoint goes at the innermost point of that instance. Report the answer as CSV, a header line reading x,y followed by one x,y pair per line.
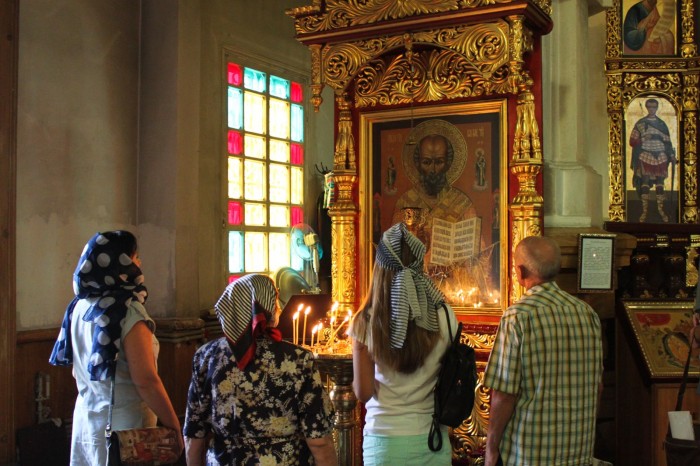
x,y
338,367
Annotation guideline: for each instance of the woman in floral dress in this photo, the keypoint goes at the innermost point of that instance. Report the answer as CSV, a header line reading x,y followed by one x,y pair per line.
x,y
255,399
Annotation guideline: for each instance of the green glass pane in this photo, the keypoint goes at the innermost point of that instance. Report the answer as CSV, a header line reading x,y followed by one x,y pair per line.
x,y
254,180
297,186
254,80
279,183
297,123
254,146
255,251
255,119
279,150
235,108
234,178
235,251
279,215
255,214
279,87
279,251
279,118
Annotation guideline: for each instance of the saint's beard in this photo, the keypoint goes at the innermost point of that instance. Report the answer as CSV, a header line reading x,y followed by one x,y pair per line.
x,y
433,183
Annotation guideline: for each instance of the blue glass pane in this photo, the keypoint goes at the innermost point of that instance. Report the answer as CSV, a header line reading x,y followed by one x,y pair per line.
x,y
297,123
279,87
254,80
235,108
235,251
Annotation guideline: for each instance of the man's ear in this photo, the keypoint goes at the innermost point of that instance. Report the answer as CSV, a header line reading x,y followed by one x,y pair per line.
x,y
522,271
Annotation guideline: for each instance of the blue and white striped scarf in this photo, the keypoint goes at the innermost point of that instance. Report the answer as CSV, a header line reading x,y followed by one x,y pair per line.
x,y
413,295
244,309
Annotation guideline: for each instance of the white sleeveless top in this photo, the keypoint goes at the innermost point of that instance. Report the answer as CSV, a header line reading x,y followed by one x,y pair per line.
x,y
402,404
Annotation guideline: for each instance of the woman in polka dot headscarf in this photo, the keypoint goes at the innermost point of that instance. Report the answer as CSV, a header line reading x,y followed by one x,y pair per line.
x,y
108,335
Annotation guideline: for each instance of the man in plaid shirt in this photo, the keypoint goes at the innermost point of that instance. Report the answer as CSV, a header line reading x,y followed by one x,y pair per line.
x,y
545,369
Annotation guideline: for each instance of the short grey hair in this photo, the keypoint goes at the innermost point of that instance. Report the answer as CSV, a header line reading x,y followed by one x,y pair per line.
x,y
541,256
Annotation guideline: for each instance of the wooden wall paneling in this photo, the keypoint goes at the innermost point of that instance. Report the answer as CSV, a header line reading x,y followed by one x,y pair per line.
x,y
175,369
32,356
9,23
633,414
179,339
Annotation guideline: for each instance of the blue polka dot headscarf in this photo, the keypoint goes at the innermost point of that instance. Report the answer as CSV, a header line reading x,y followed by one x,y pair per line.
x,y
106,272
414,297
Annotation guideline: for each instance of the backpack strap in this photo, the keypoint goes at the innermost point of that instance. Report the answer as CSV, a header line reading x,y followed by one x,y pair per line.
x,y
449,326
435,435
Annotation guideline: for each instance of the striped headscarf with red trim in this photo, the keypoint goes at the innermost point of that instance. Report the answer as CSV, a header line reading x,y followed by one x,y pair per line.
x,y
244,310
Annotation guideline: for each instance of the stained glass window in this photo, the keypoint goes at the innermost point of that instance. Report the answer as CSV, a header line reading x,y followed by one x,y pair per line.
x,y
264,150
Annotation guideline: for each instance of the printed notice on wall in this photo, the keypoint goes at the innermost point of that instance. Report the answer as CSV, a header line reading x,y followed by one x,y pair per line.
x,y
454,241
596,262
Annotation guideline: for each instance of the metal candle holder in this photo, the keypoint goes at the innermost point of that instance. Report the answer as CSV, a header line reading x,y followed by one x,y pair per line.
x,y
338,367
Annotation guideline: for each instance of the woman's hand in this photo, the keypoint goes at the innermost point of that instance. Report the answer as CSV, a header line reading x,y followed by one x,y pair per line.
x,y
323,451
195,451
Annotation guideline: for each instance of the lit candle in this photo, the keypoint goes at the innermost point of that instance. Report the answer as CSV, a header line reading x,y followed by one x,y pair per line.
x,y
318,333
313,334
295,327
332,324
306,314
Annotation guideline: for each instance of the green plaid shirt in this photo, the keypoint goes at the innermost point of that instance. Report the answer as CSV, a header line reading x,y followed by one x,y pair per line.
x,y
548,352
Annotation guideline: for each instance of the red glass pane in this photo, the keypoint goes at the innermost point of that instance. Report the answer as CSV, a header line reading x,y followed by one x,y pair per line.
x,y
234,74
297,94
297,215
235,143
233,278
235,213
297,154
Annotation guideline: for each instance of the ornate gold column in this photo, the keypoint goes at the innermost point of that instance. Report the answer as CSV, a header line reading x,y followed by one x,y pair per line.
x,y
344,212
526,208
343,215
690,142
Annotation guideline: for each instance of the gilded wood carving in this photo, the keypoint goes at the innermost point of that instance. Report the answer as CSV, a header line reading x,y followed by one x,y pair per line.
x,y
665,81
396,53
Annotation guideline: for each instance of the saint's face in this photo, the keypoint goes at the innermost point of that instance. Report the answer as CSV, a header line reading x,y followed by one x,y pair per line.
x,y
433,164
433,156
652,108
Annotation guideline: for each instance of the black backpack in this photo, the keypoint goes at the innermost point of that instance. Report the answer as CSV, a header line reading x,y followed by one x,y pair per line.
x,y
455,388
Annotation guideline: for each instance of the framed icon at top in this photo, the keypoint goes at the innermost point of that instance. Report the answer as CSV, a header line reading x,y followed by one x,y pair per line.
x,y
649,28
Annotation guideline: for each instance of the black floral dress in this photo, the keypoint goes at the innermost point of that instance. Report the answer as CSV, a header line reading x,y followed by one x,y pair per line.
x,y
260,415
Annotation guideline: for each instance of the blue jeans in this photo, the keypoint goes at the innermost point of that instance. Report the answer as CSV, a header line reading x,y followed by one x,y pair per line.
x,y
410,450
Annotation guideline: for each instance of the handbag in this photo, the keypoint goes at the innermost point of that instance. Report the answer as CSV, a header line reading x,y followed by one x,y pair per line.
x,y
683,452
455,388
140,446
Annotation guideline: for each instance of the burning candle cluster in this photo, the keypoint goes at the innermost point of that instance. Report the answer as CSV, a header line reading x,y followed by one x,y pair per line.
x,y
329,335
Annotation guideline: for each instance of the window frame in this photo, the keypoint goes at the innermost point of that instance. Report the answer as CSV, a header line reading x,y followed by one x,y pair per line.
x,y
278,69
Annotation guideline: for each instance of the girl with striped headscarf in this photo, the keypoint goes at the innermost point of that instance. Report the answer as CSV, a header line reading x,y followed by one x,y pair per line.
x,y
399,336
259,397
